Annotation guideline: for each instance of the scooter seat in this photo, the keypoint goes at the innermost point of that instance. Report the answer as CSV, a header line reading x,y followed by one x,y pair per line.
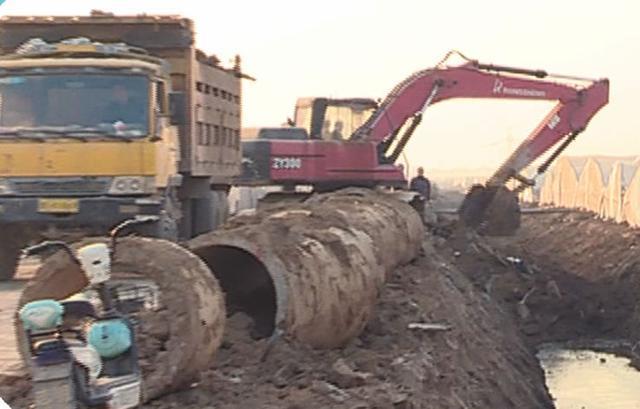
x,y
78,309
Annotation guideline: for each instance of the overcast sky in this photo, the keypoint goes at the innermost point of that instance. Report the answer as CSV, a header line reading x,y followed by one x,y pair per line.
x,y
362,48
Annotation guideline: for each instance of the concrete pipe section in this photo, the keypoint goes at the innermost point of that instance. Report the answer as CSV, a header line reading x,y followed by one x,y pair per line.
x,y
182,323
314,269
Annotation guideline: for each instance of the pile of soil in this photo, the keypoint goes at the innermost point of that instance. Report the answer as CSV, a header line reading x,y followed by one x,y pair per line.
x,y
475,360
474,357
601,255
494,300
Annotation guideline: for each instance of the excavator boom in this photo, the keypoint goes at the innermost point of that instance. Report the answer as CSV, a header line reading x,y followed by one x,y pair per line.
x,y
577,103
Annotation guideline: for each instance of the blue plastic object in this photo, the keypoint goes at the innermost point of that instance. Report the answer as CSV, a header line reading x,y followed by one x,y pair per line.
x,y
110,338
41,315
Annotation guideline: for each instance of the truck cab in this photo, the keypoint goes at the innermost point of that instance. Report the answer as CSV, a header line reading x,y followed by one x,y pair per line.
x,y
106,117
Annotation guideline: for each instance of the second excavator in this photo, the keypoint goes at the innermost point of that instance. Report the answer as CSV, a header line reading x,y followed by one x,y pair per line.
x,y
368,137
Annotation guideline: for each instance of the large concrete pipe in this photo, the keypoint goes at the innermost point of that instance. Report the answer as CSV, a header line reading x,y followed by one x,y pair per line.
x,y
312,269
178,337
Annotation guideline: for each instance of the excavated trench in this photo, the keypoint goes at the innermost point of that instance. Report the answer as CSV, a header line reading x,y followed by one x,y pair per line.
x,y
571,280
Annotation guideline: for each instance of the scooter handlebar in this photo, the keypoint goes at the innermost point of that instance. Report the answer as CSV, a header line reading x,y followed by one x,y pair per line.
x,y
47,245
132,222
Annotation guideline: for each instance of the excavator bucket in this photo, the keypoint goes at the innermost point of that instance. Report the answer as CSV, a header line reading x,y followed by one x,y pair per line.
x,y
491,210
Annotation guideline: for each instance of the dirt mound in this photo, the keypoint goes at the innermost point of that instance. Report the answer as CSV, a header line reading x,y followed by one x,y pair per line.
x,y
480,362
564,277
444,333
603,256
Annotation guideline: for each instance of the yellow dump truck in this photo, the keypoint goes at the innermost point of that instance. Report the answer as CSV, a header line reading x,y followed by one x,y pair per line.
x,y
104,117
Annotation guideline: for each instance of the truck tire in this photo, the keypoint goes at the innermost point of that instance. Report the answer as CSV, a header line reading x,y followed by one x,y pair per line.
x,y
204,217
9,255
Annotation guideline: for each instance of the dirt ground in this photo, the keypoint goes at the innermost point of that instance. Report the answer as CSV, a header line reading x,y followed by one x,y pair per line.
x,y
563,277
566,277
479,363
595,267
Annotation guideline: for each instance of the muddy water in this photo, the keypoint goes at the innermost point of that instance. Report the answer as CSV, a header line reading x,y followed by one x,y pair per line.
x,y
584,379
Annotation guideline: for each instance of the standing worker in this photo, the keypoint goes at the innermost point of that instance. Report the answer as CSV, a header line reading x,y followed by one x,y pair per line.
x,y
421,185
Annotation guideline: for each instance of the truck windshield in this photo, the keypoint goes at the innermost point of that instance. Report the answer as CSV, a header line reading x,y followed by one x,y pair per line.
x,y
79,105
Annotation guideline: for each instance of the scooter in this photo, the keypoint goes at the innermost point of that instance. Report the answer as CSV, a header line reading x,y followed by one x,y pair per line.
x,y
83,353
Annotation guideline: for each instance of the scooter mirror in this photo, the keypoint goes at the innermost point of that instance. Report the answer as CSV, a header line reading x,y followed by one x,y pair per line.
x,y
95,260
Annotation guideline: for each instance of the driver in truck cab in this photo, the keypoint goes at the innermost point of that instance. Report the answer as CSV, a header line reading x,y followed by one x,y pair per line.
x,y
122,107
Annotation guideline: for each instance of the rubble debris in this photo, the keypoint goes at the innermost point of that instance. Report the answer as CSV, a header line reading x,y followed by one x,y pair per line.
x,y
429,327
344,377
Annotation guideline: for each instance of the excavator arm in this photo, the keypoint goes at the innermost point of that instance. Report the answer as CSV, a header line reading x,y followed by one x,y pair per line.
x,y
491,208
578,100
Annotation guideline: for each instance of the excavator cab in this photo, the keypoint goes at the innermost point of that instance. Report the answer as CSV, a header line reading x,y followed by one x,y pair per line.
x,y
316,119
332,119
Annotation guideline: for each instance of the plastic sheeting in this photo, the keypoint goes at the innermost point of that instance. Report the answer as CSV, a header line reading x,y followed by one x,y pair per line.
x,y
561,185
607,186
546,190
631,203
613,195
590,187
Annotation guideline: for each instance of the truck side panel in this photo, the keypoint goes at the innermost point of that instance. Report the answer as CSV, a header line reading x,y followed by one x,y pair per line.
x,y
216,116
171,38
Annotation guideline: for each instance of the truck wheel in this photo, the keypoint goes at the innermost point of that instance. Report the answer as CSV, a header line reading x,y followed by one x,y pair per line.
x,y
9,254
204,217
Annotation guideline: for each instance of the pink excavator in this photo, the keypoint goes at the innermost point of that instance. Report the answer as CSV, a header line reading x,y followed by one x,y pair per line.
x,y
335,143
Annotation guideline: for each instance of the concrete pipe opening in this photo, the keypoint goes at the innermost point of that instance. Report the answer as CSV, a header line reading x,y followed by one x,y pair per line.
x,y
247,284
